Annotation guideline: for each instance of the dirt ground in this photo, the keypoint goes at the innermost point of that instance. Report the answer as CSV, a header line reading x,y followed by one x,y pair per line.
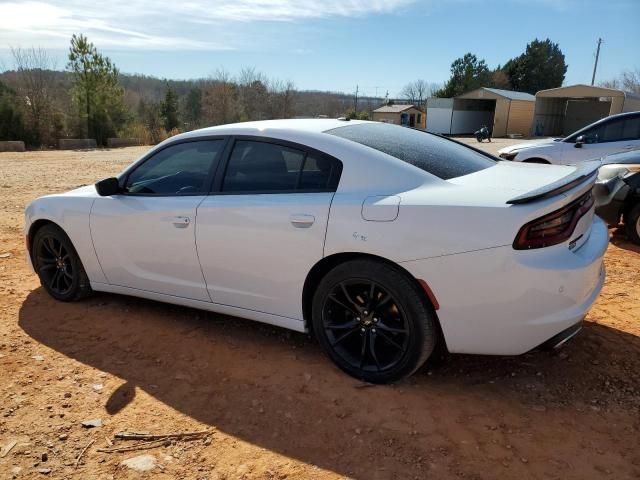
x,y
274,405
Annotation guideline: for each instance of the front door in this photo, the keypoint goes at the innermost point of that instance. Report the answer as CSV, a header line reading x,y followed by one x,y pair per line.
x,y
261,234
145,237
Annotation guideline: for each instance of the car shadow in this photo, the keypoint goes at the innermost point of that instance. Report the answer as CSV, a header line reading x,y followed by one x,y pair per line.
x,y
275,389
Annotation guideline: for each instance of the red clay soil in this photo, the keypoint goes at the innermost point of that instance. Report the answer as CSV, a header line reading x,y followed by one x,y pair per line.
x,y
275,405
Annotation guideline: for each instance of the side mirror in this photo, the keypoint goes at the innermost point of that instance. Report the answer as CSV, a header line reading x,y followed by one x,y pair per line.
x,y
108,186
581,140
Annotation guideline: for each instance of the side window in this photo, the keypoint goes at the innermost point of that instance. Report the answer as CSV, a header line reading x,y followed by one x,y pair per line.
x,y
261,167
317,173
611,131
631,129
180,169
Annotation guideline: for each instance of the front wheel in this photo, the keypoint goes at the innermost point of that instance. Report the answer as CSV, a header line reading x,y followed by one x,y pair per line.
x,y
373,321
58,265
632,224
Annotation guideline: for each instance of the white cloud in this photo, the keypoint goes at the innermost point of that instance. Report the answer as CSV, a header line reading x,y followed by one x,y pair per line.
x,y
162,24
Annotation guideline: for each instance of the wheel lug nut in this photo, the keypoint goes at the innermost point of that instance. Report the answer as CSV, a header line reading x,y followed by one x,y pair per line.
x,y
358,318
373,330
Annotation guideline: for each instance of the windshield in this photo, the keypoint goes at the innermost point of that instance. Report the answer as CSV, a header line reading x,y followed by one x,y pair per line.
x,y
434,154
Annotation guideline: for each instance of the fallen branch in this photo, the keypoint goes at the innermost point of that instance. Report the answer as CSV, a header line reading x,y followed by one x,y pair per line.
x,y
166,436
82,453
151,440
137,446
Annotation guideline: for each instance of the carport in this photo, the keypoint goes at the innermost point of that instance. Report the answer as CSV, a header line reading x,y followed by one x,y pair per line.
x,y
504,111
561,111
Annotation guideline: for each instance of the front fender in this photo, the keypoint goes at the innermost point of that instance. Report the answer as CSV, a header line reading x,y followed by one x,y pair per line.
x,y
71,214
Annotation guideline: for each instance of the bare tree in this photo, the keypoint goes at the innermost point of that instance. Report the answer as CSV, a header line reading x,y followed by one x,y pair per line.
x,y
34,73
409,92
220,102
629,81
253,94
417,92
281,95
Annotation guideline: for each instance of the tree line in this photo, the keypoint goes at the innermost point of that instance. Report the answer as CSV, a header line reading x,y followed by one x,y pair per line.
x,y
92,99
541,66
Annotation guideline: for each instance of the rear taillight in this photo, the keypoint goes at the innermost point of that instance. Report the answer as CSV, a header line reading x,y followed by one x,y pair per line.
x,y
555,227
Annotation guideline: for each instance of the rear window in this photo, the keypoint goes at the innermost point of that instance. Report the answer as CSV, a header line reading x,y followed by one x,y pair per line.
x,y
438,156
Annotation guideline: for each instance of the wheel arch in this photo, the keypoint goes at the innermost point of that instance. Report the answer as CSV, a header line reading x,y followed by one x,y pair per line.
x,y
33,230
326,264
540,160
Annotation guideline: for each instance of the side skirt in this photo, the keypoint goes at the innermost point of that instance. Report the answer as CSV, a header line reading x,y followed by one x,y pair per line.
x,y
276,320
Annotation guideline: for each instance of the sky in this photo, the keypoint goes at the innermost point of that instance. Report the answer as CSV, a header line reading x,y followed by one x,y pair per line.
x,y
377,45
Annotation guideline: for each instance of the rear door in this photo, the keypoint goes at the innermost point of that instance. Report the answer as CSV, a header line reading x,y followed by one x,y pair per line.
x,y
145,237
261,233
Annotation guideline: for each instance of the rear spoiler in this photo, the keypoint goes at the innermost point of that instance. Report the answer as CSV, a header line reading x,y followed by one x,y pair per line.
x,y
584,172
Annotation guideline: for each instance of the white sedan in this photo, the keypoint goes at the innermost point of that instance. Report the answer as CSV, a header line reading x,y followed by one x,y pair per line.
x,y
382,241
614,134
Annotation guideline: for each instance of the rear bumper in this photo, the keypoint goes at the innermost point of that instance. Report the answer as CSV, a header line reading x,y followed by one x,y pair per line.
x,y
501,301
561,338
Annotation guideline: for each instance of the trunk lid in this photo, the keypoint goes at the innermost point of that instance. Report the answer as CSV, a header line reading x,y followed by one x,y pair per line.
x,y
520,183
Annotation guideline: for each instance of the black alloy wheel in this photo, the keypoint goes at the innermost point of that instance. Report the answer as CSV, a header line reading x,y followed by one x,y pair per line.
x,y
57,264
365,326
373,321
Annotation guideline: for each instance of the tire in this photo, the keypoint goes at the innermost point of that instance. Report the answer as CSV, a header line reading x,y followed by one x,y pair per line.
x,y
632,224
58,265
379,338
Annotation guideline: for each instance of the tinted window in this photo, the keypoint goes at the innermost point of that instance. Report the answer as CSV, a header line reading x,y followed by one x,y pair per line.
x,y
440,157
267,167
610,131
317,173
614,130
258,167
631,129
177,170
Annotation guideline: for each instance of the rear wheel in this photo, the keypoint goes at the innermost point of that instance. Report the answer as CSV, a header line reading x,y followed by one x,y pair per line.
x,y
373,321
58,265
632,224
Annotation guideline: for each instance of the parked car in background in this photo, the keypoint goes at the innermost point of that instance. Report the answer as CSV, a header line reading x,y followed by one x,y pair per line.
x,y
381,240
613,134
617,192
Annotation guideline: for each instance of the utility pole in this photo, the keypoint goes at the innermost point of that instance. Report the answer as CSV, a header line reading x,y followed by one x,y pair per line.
x,y
356,106
595,65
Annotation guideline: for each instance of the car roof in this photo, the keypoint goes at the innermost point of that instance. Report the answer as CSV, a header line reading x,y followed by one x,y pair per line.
x,y
310,125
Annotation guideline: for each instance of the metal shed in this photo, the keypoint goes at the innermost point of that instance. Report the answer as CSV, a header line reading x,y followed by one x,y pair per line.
x,y
561,111
439,112
505,111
